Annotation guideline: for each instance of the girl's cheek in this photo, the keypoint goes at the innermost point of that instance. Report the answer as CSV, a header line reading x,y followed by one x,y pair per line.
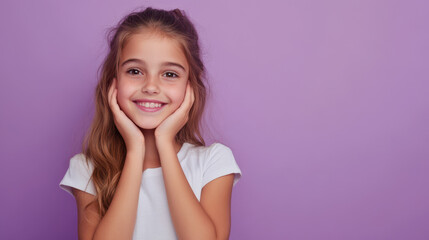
x,y
179,96
182,92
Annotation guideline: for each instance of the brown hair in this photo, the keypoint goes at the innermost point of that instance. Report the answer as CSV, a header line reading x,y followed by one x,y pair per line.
x,y
103,144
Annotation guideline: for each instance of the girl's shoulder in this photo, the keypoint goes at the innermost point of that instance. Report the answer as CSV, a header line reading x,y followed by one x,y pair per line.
x,y
80,161
215,160
210,150
78,175
207,156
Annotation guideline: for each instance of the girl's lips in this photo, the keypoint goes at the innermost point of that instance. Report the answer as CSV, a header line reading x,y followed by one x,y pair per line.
x,y
147,109
148,100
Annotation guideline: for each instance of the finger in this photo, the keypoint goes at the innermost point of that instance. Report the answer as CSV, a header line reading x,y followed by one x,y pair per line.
x,y
110,92
185,106
112,99
115,105
109,95
190,97
183,109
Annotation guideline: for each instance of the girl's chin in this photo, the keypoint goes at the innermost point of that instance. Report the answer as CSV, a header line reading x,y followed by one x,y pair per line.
x,y
148,126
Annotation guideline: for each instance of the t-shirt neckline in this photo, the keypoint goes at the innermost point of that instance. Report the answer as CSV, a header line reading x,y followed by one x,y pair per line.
x,y
158,170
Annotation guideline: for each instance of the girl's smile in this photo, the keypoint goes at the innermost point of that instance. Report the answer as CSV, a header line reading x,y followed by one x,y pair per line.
x,y
149,105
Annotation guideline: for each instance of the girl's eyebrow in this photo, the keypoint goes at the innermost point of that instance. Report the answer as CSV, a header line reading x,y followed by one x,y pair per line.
x,y
143,63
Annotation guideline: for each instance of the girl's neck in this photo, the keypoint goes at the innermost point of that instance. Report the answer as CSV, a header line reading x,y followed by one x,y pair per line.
x,y
151,158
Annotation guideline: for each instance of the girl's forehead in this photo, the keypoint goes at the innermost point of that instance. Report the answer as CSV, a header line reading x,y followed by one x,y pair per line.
x,y
155,47
140,39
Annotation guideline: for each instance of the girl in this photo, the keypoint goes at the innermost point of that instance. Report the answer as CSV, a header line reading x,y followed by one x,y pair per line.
x,y
144,171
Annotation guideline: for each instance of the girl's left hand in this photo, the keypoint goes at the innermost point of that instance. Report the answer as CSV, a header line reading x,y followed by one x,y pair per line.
x,y
168,128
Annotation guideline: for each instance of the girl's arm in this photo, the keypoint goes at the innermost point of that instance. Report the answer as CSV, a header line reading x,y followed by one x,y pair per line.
x,y
189,218
119,220
86,226
207,220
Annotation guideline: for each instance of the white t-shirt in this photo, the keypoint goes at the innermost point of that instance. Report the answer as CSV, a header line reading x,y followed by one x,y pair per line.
x,y
200,165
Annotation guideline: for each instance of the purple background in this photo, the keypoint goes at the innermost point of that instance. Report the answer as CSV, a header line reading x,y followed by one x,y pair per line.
x,y
324,104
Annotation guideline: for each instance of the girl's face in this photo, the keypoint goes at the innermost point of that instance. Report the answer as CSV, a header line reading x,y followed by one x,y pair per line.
x,y
151,68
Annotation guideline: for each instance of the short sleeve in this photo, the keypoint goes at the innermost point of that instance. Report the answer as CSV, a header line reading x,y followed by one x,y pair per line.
x,y
219,162
78,175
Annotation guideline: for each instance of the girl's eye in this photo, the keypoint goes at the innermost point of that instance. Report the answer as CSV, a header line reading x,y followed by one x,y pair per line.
x,y
133,71
171,74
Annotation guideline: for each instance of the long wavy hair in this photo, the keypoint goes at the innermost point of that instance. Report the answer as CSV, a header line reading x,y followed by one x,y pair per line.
x,y
103,145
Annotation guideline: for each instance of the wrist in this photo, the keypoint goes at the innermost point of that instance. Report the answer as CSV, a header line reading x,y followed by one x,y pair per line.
x,y
163,142
135,146
138,152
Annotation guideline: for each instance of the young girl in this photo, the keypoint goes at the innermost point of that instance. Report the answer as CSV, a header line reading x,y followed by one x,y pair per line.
x,y
144,171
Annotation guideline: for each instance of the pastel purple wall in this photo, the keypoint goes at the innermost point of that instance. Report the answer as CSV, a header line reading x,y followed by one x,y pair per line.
x,y
325,105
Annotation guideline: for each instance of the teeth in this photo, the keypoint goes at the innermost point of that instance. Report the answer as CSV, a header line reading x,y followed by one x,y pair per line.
x,y
149,105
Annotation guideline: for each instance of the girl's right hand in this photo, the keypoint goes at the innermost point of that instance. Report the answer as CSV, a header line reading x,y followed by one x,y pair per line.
x,y
132,135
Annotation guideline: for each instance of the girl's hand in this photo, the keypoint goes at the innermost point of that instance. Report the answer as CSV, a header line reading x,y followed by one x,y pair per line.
x,y
131,134
168,128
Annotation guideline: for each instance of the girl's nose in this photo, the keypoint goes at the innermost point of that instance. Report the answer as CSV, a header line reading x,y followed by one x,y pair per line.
x,y
150,85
